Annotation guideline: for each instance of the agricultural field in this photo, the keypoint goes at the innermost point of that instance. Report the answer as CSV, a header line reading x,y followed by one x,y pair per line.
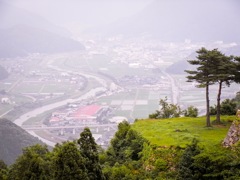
x,y
137,103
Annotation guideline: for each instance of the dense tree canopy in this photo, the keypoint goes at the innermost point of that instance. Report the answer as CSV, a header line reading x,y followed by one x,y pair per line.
x,y
68,162
32,164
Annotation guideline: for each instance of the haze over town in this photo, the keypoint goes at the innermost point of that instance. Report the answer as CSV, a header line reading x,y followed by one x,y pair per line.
x,y
95,63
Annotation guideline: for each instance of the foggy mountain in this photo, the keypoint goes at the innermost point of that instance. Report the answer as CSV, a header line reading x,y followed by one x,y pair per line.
x,y
13,139
171,20
11,16
21,40
22,32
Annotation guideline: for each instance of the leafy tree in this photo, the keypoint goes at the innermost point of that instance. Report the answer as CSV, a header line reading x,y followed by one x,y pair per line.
x,y
123,157
115,152
203,74
3,170
121,172
68,163
186,164
191,112
89,151
32,164
213,110
167,110
228,107
214,163
126,145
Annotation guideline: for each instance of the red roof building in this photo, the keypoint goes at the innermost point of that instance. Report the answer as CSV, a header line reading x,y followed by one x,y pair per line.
x,y
85,113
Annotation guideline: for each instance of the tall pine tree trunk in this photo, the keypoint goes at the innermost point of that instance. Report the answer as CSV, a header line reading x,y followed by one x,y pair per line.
x,y
208,124
218,120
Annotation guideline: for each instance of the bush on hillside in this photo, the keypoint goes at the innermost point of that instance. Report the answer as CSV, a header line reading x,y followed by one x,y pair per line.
x,y
191,111
168,110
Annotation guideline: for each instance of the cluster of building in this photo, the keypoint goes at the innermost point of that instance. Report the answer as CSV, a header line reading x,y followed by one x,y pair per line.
x,y
80,115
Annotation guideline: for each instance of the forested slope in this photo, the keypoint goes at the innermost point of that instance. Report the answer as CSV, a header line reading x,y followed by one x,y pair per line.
x,y
12,140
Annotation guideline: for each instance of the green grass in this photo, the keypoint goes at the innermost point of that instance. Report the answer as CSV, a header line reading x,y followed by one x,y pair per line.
x,y
181,131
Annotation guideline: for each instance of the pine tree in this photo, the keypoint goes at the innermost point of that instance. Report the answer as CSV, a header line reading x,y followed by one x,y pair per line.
x,y
126,145
203,75
89,151
223,72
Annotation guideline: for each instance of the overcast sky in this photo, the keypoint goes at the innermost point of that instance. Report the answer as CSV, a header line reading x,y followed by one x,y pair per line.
x,y
88,13
170,20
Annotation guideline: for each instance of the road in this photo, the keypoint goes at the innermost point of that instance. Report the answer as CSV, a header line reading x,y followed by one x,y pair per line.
x,y
48,107
175,89
42,109
27,127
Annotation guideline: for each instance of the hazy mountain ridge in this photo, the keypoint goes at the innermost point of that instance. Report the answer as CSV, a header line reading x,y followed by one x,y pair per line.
x,y
180,20
21,40
13,140
23,32
11,16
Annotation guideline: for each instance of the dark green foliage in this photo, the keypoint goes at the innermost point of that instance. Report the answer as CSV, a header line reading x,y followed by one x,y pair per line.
x,y
3,170
186,169
124,154
215,163
159,162
212,164
228,107
89,151
237,71
68,163
167,110
129,157
191,112
32,164
126,145
13,140
119,172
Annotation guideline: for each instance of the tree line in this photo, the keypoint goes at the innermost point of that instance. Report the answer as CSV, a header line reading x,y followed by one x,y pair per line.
x,y
69,160
129,157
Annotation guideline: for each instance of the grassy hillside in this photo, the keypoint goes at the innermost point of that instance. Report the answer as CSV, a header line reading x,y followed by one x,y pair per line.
x,y
181,131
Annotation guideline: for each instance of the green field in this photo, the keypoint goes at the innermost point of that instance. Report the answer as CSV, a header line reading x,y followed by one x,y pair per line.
x,y
137,103
181,131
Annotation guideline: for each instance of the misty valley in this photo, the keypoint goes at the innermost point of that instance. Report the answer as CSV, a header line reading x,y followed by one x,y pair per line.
x,y
119,90
54,96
